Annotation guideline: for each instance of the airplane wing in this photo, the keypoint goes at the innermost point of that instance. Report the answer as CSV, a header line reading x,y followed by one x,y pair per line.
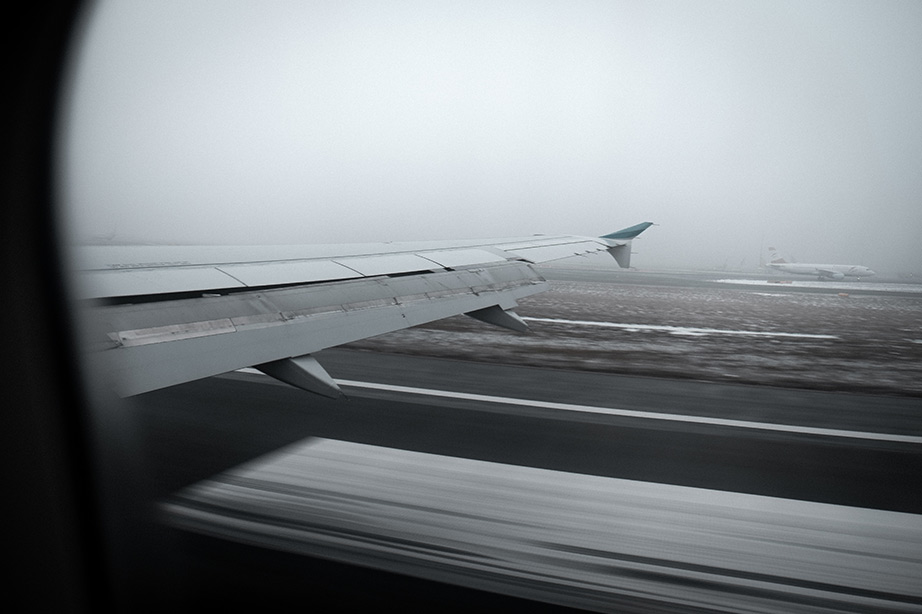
x,y
829,273
157,316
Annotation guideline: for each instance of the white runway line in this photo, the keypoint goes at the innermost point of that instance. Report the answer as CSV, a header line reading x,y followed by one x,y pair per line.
x,y
679,330
828,285
576,539
630,413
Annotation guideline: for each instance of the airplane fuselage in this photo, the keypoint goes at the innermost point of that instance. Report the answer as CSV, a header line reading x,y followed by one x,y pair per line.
x,y
823,271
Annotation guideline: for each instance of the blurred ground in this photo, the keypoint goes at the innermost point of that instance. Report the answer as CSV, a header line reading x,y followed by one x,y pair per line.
x,y
687,327
621,322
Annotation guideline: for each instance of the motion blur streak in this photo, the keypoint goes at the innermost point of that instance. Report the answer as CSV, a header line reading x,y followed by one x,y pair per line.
x,y
745,424
572,539
680,330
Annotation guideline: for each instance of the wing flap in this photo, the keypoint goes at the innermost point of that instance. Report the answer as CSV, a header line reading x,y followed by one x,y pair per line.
x,y
170,342
172,332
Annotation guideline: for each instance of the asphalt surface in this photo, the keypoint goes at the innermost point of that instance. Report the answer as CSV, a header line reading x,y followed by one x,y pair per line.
x,y
200,428
193,432
811,455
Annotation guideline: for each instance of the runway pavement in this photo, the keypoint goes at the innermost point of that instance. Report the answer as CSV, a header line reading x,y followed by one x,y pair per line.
x,y
820,456
548,474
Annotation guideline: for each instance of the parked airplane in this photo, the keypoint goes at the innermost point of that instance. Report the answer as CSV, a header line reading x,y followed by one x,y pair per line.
x,y
163,315
821,271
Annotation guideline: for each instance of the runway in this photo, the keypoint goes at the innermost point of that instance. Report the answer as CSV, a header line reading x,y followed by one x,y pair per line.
x,y
702,515
541,472
242,416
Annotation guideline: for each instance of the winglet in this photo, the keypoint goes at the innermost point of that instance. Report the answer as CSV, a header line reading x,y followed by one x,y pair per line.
x,y
620,242
626,234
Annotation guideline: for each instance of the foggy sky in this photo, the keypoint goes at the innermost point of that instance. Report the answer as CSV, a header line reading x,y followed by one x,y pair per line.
x,y
733,125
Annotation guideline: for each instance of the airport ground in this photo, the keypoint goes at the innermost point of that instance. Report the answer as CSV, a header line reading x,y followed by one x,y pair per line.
x,y
782,332
853,446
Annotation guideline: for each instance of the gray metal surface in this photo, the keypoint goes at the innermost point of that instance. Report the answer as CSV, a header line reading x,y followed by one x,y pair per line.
x,y
387,264
303,372
455,258
146,346
186,312
136,282
547,251
121,271
291,272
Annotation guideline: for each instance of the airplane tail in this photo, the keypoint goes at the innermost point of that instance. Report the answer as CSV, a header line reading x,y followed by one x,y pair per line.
x,y
621,251
774,257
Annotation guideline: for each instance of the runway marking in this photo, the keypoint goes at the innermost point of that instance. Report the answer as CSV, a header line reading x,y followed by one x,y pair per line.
x,y
631,413
680,330
827,285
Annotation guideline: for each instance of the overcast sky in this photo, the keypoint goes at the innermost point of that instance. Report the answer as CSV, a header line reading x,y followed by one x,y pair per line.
x,y
733,125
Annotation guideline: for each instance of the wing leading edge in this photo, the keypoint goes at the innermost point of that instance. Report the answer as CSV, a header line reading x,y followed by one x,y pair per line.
x,y
163,315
